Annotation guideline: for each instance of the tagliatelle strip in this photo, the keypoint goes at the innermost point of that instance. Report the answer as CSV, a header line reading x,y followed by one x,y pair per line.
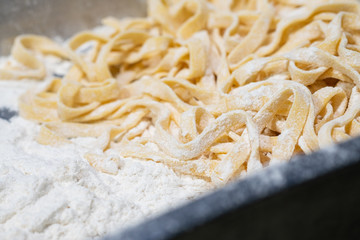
x,y
213,89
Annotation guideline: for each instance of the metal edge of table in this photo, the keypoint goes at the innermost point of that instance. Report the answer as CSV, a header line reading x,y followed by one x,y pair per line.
x,y
311,197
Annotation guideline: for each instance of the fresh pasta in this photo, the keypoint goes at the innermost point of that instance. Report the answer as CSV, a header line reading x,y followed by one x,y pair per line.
x,y
214,89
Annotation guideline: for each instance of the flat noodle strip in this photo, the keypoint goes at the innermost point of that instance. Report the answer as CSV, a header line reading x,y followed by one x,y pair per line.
x,y
22,52
213,89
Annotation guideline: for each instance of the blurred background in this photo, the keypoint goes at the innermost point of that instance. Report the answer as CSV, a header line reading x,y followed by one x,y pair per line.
x,y
59,17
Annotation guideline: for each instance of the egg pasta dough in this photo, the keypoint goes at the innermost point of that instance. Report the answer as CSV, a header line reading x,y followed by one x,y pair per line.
x,y
213,89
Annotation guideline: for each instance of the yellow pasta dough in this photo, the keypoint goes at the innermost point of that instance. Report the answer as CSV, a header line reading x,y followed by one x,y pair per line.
x,y
212,89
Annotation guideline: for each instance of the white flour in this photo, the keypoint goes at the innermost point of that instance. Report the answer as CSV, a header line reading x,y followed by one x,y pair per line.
x,y
52,193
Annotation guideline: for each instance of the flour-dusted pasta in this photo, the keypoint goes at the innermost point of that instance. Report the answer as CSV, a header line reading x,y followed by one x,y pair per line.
x,y
210,88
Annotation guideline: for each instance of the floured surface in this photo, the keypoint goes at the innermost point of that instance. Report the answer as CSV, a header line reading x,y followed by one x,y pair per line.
x,y
53,193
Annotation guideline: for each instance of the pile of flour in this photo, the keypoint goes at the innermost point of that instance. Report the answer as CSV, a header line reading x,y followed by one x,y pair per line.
x,y
53,193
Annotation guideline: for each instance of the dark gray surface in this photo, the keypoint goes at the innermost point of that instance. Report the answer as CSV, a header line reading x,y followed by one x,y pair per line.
x,y
59,17
7,113
313,197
